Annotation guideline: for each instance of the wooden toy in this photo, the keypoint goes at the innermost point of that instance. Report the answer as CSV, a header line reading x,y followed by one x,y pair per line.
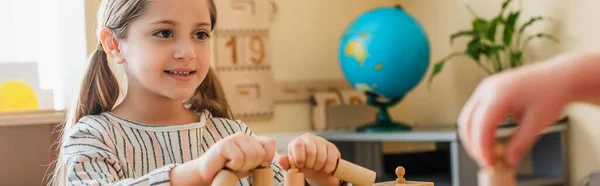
x,y
225,177
294,176
330,110
241,42
499,174
354,174
262,176
401,181
346,171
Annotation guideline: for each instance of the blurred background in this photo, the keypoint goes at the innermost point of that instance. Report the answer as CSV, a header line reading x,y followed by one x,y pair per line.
x,y
46,43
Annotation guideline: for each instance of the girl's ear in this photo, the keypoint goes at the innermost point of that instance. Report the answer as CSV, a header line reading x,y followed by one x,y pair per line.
x,y
110,44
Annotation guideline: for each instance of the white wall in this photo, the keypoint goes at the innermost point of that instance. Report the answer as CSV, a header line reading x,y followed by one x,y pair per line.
x,y
73,51
8,53
581,34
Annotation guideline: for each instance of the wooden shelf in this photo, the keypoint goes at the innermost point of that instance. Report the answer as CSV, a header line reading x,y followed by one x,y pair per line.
x,y
26,118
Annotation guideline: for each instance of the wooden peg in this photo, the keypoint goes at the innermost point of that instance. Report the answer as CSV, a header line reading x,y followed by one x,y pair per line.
x,y
225,178
400,171
354,174
401,181
293,177
262,176
500,174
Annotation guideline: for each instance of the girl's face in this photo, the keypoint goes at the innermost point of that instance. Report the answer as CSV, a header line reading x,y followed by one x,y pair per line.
x,y
167,50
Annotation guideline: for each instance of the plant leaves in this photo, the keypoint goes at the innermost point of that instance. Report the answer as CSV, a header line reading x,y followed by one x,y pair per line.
x,y
516,59
480,26
474,49
529,23
437,68
504,5
541,36
493,51
461,33
491,33
509,27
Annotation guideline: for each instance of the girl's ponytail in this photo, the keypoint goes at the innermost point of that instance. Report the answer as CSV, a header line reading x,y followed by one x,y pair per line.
x,y
98,93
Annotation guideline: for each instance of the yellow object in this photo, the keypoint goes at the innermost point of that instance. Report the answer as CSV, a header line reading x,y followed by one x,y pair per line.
x,y
379,67
17,95
357,50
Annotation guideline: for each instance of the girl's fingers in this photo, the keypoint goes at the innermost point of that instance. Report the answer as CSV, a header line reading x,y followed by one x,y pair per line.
x,y
333,154
311,151
297,150
233,154
269,146
253,152
322,153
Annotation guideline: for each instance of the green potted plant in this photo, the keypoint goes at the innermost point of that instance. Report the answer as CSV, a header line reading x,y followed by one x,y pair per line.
x,y
496,44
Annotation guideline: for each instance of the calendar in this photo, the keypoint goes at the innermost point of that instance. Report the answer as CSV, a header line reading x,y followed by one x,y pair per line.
x,y
241,43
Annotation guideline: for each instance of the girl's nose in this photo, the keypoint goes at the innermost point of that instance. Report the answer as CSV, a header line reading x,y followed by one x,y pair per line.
x,y
185,51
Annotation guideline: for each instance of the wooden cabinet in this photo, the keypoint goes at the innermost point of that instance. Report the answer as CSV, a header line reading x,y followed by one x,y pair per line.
x,y
27,141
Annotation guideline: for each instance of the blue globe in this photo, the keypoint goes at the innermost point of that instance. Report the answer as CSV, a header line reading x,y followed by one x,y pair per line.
x,y
385,51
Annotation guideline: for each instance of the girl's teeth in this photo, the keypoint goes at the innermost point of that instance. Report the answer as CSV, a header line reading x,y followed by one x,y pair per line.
x,y
179,73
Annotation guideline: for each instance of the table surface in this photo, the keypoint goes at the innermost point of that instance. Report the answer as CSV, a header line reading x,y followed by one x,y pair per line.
x,y
420,134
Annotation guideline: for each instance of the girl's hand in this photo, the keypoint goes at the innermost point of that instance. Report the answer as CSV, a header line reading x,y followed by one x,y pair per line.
x,y
240,153
315,157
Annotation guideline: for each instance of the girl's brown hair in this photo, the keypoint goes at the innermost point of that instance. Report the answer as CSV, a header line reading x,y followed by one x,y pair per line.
x,y
99,89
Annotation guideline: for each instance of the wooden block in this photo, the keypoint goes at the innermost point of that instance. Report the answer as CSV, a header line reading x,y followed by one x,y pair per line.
x,y
354,174
244,14
495,177
262,176
353,97
241,43
225,178
498,175
349,116
248,92
241,48
301,91
330,110
319,114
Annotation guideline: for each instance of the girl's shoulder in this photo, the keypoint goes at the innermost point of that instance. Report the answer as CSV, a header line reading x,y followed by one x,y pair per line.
x,y
226,126
93,121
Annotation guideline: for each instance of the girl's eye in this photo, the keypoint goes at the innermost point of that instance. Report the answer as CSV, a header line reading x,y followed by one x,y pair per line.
x,y
164,34
202,35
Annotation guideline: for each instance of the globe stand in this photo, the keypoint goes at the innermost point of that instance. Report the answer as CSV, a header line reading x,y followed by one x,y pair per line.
x,y
383,122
